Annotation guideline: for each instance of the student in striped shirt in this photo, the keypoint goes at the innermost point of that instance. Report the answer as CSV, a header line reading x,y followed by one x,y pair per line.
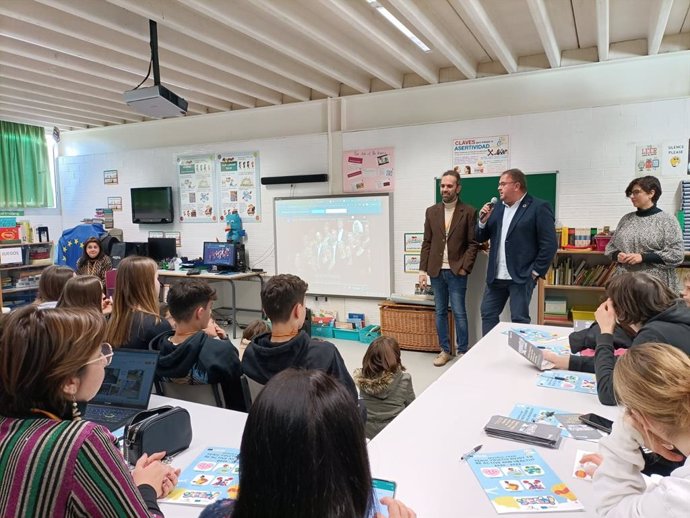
x,y
53,464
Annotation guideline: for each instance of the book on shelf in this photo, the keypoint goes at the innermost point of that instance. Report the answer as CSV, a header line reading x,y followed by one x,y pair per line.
x,y
555,305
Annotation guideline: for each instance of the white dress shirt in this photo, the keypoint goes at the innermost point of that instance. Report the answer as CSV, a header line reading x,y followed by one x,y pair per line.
x,y
508,215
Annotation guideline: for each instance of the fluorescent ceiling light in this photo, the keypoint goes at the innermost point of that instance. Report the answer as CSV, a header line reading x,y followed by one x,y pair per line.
x,y
399,25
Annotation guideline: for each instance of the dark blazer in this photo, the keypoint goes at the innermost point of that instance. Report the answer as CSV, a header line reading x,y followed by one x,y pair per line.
x,y
530,243
462,247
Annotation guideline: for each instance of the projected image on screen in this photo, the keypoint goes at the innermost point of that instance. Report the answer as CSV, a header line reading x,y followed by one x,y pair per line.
x,y
339,245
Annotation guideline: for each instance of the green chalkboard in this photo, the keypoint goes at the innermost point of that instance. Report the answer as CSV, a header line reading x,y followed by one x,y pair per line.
x,y
477,190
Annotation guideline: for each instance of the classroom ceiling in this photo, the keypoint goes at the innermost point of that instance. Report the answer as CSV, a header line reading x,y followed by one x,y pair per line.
x,y
67,62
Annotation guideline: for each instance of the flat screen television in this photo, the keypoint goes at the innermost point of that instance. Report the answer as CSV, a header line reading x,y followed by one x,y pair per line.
x,y
152,205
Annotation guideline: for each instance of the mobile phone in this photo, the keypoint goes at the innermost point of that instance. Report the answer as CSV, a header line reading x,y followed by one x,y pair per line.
x,y
381,488
598,422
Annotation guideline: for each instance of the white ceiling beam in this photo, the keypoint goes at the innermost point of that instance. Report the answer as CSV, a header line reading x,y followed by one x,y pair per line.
x,y
34,121
284,38
660,11
362,18
603,30
488,33
28,107
57,107
13,108
540,16
184,20
437,36
227,70
350,49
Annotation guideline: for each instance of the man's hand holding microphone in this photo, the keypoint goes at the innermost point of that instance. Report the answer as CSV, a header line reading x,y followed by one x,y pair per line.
x,y
487,209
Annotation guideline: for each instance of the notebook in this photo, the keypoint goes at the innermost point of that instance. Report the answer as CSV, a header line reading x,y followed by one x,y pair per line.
x,y
126,388
539,434
530,351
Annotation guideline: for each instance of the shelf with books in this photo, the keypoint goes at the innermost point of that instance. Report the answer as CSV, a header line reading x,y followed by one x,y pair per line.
x,y
19,278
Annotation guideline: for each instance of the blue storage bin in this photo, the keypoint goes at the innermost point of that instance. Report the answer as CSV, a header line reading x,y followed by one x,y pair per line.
x,y
369,333
322,331
346,334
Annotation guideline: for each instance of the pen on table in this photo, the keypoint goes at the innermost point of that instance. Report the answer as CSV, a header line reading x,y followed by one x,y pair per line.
x,y
470,453
559,378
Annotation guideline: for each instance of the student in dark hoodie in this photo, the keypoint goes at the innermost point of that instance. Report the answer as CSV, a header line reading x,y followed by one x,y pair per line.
x,y
282,298
642,303
386,387
190,353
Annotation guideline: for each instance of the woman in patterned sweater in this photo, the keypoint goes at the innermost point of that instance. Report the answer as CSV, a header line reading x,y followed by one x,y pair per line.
x,y
94,261
53,464
647,240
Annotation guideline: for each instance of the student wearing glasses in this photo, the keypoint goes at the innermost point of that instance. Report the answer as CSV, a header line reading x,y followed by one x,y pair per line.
x,y
647,240
522,233
52,462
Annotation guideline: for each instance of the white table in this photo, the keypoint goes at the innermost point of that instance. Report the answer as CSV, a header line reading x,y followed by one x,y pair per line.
x,y
420,450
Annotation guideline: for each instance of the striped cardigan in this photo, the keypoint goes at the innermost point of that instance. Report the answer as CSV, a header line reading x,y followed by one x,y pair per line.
x,y
66,468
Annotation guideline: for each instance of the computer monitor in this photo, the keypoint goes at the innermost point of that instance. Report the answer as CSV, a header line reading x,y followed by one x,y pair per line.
x,y
162,248
220,255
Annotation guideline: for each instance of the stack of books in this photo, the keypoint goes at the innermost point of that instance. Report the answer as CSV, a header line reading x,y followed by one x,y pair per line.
x,y
556,308
538,434
685,209
564,273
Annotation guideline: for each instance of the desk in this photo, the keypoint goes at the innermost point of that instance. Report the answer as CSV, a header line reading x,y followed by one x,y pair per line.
x,y
420,450
212,427
220,277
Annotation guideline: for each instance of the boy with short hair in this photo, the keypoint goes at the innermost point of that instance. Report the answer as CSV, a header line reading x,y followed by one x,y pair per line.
x,y
191,353
282,298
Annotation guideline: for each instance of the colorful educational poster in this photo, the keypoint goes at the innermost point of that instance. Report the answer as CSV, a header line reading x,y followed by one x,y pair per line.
x,y
481,155
520,481
197,197
413,241
110,177
648,159
539,414
583,470
675,158
238,185
412,263
214,475
567,380
369,170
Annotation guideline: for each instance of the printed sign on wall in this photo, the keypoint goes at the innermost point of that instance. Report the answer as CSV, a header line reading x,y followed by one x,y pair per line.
x,y
238,185
368,170
481,155
197,196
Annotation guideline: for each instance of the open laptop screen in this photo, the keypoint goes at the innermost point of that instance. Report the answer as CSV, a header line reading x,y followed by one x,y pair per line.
x,y
128,379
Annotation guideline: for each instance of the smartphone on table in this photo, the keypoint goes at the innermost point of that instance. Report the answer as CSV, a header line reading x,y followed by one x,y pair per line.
x,y
598,422
381,489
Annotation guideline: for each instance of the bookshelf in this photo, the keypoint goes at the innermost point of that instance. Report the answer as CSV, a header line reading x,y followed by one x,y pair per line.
x,y
19,281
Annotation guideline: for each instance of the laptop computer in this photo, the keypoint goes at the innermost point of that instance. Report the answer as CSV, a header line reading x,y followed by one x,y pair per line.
x,y
530,351
126,388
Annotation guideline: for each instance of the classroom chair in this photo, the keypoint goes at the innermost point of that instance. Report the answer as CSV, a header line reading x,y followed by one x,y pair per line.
x,y
250,390
208,394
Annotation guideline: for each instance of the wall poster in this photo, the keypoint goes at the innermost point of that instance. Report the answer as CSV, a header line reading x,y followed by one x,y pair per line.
x,y
369,170
648,159
197,196
675,158
481,155
239,187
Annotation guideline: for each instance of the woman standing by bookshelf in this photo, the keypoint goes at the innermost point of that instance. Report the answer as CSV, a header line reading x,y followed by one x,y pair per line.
x,y
647,240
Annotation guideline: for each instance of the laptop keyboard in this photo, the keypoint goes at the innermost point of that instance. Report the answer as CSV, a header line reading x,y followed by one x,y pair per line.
x,y
108,415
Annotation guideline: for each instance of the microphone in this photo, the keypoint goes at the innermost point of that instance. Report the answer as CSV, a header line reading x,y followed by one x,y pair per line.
x,y
493,202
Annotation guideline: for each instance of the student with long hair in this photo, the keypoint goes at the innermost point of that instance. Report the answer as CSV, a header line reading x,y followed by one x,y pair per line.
x,y
84,291
51,283
653,384
385,386
135,319
327,476
52,462
94,260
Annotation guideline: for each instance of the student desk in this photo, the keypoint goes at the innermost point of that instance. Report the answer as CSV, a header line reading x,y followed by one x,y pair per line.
x,y
421,448
230,278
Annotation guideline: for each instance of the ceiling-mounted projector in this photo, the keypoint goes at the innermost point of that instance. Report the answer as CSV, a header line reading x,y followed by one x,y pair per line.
x,y
155,101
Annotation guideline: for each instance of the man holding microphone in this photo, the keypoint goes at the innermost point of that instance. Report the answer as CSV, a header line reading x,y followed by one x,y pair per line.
x,y
448,253
523,243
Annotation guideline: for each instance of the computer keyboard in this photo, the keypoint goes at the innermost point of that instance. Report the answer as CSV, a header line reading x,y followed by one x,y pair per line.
x,y
193,271
107,414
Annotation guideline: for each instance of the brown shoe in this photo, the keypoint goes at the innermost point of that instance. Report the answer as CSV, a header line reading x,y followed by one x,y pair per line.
x,y
442,358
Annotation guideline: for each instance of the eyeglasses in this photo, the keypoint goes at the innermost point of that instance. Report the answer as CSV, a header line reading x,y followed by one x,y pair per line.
x,y
503,184
106,354
635,192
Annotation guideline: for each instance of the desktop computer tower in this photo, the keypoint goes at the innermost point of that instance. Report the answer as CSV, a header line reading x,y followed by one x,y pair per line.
x,y
240,258
121,250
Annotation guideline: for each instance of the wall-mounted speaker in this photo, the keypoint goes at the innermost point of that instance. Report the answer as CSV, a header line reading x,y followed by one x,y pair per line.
x,y
295,178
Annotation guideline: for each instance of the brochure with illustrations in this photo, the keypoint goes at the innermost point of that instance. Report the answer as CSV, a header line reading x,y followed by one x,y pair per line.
x,y
520,481
539,414
566,380
214,475
533,433
583,471
529,350
578,429
543,339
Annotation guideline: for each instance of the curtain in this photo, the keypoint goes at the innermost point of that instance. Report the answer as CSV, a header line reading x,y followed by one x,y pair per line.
x,y
25,180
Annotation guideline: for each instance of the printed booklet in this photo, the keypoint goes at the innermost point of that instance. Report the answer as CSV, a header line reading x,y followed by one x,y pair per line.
x,y
214,475
520,481
566,380
529,350
539,414
532,433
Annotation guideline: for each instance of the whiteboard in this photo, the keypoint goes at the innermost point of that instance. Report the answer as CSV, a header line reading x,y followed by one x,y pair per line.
x,y
340,245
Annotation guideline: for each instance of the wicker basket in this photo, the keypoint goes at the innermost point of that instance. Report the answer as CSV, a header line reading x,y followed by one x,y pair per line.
x,y
414,327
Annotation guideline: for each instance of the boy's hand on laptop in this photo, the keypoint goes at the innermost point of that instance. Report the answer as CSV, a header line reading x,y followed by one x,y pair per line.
x,y
560,362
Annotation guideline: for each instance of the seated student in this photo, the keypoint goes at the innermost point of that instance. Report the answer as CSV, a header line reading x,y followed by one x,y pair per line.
x,y
188,354
135,319
653,384
304,454
50,284
644,304
686,288
85,291
52,462
94,261
385,386
253,329
282,298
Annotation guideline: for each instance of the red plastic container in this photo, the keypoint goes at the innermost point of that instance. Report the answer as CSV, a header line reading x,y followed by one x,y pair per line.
x,y
601,242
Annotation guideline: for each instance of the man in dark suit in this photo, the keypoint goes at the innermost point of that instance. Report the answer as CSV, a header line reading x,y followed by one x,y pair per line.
x,y
448,253
523,243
